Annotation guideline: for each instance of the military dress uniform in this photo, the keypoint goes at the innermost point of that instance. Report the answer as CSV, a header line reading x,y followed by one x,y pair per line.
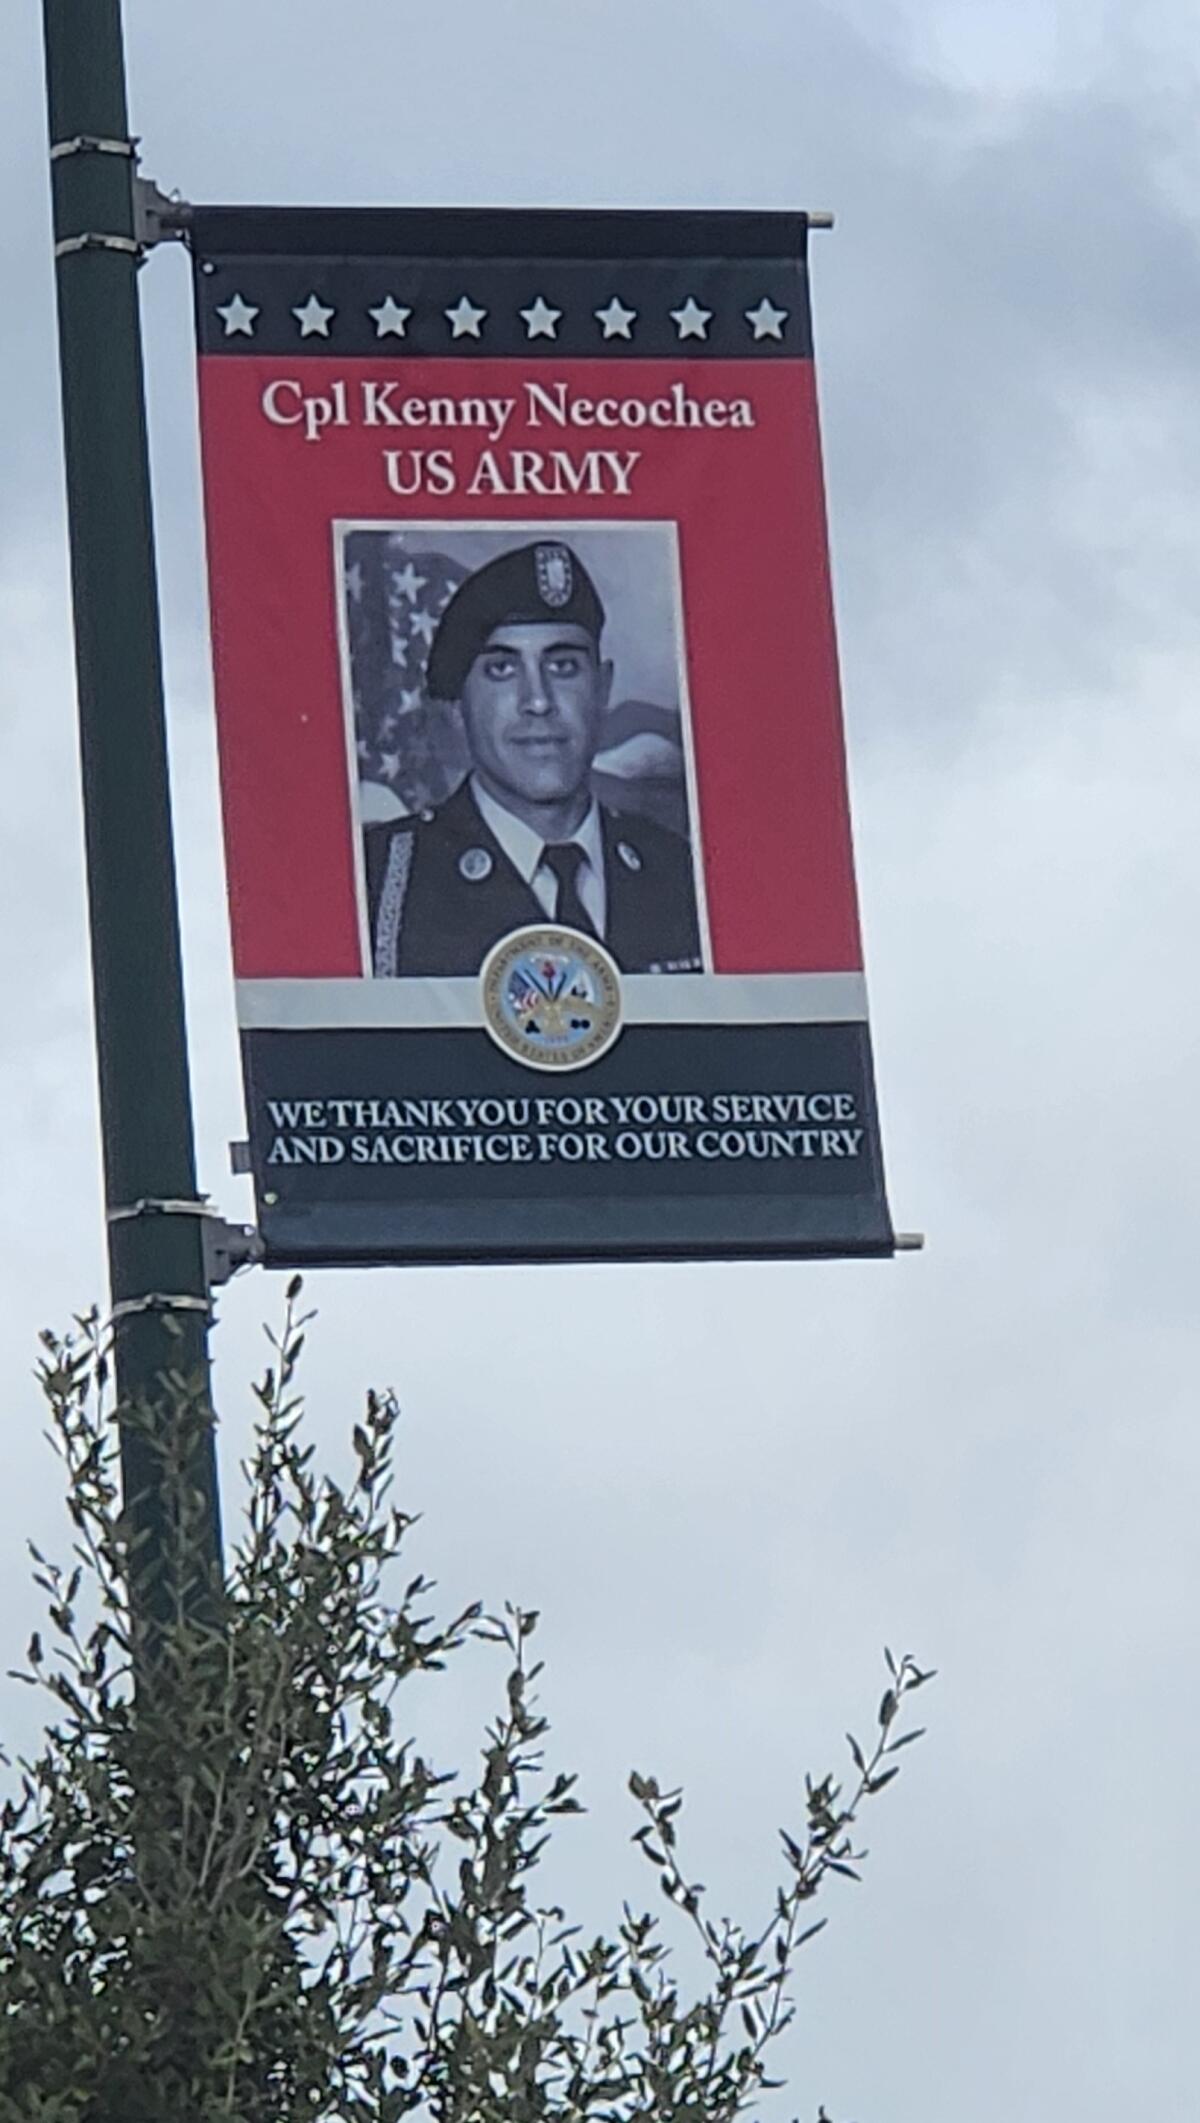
x,y
442,891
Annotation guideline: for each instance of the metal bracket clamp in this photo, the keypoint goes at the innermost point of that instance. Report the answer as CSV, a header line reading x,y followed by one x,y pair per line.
x,y
96,240
156,1205
93,144
159,1301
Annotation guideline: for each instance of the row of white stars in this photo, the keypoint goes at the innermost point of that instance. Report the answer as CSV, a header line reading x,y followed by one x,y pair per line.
x,y
466,319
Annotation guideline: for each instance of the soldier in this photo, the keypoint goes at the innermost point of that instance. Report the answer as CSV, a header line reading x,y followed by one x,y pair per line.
x,y
524,840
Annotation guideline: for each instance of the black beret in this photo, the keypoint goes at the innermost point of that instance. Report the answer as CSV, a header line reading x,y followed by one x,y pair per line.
x,y
533,585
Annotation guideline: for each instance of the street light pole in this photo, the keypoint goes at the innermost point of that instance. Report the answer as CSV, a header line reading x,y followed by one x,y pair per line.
x,y
156,1222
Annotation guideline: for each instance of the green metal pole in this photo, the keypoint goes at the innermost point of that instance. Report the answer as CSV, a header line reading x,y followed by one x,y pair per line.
x,y
159,1286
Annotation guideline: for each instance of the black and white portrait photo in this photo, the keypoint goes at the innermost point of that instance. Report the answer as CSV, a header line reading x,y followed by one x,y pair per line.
x,y
518,705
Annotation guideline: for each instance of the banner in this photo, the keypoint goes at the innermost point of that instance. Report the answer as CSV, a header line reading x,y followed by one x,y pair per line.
x,y
539,855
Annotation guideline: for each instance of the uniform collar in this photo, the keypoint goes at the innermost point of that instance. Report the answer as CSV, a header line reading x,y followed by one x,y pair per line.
x,y
524,847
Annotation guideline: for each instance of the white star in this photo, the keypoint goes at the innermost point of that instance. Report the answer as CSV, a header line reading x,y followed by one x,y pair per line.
x,y
390,317
354,581
409,701
541,322
408,580
465,318
691,322
768,322
618,322
239,316
313,316
424,624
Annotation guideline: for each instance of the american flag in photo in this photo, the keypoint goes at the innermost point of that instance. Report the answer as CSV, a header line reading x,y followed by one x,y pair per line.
x,y
410,750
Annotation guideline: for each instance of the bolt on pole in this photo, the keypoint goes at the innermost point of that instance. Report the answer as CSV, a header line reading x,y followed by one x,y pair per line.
x,y
159,1285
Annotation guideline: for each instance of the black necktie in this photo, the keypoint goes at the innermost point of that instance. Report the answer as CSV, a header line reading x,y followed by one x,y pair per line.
x,y
564,859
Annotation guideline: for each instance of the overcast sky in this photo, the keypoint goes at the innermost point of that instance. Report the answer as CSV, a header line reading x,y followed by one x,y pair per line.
x,y
726,1488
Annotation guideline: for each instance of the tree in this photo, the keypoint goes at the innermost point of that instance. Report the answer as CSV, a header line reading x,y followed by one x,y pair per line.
x,y
231,1893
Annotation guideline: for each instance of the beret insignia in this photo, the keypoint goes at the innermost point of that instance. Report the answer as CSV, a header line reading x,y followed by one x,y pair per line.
x,y
555,576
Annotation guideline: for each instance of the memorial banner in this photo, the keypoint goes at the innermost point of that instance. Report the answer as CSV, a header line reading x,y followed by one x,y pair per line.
x,y
539,856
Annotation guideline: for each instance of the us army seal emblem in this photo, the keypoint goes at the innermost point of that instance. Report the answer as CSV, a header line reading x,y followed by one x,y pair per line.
x,y
551,997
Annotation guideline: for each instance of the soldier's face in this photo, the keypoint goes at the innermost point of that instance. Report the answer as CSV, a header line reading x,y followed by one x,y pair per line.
x,y
532,704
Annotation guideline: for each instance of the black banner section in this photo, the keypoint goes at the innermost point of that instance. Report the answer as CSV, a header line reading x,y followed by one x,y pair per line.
x,y
682,1142
351,266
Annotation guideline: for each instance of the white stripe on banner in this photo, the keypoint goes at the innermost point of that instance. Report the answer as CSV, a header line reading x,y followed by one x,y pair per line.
x,y
648,999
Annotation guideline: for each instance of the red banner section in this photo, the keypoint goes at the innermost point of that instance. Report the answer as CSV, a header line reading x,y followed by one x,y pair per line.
x,y
727,451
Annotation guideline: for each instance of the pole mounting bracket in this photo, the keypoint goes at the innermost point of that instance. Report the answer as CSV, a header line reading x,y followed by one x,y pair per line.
x,y
158,216
227,1247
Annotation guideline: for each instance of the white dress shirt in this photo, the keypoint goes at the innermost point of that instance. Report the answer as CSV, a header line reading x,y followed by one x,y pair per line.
x,y
524,848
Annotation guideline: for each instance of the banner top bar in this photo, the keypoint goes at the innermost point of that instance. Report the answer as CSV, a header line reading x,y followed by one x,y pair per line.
x,y
532,232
